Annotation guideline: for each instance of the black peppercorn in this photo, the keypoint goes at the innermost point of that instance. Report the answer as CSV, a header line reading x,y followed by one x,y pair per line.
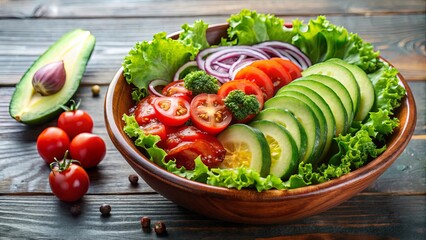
x,y
133,179
105,209
75,210
145,222
160,228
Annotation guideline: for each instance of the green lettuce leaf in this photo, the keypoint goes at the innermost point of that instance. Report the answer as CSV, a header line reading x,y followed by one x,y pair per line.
x,y
320,40
249,27
157,59
389,92
147,143
195,35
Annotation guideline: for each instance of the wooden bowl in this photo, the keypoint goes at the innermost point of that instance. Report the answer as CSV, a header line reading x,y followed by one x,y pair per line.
x,y
250,206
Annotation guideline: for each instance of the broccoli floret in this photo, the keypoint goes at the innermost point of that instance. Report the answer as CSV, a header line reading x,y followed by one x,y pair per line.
x,y
241,105
200,82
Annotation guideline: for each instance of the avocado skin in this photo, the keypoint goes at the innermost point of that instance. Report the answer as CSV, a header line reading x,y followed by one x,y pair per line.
x,y
75,49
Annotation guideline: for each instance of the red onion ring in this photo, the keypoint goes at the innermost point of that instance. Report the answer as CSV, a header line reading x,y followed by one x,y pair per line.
x,y
155,83
224,62
295,52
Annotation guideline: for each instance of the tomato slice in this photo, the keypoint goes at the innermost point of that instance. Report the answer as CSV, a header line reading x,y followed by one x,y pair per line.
x,y
190,133
259,77
182,134
177,89
211,152
144,111
246,86
277,73
172,111
208,113
155,127
291,67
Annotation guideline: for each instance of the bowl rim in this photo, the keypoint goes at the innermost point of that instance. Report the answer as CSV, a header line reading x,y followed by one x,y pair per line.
x,y
383,161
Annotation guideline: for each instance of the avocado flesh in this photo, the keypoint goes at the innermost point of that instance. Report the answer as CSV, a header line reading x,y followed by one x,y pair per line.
x,y
28,106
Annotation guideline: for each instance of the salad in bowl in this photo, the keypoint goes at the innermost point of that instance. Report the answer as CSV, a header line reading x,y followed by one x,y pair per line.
x,y
267,105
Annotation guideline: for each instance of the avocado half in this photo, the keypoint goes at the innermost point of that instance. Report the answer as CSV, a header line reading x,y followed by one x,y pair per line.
x,y
74,49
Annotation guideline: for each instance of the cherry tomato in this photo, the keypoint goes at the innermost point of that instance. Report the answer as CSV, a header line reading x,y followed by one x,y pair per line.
x,y
69,183
144,111
89,149
52,143
211,152
172,111
75,121
155,127
291,67
208,113
260,78
277,73
177,89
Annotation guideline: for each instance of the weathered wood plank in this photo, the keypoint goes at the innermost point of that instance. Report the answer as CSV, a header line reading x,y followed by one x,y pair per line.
x,y
399,38
406,174
419,93
91,9
369,216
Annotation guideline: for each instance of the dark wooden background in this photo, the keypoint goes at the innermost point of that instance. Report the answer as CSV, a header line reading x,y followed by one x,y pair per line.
x,y
393,207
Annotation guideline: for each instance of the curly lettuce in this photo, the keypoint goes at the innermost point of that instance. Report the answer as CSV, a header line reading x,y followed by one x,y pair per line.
x,y
195,35
249,27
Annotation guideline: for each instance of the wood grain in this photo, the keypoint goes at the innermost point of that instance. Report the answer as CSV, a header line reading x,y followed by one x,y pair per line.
x,y
400,40
377,216
118,9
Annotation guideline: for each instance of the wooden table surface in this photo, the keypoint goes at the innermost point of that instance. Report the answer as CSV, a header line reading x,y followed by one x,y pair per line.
x,y
393,207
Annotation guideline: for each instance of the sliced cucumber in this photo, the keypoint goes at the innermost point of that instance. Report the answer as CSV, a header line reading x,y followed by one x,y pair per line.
x,y
283,149
340,90
324,136
288,121
367,95
331,98
322,107
341,74
307,119
245,147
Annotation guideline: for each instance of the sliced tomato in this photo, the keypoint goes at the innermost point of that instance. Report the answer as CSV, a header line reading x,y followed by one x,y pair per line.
x,y
291,67
246,86
190,133
208,113
172,111
182,134
277,73
259,77
144,111
177,89
155,127
211,153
